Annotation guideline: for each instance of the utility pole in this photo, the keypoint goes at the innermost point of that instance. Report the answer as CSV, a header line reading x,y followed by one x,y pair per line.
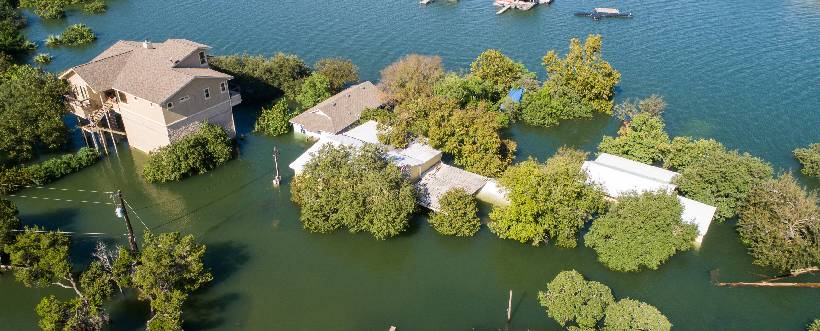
x,y
278,179
132,242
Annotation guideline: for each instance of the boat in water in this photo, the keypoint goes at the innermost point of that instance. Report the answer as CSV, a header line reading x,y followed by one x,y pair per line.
x,y
598,13
518,4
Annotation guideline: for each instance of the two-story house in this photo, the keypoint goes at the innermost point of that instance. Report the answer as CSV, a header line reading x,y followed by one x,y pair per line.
x,y
160,90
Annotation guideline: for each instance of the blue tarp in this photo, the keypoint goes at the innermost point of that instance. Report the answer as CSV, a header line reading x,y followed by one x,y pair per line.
x,y
516,94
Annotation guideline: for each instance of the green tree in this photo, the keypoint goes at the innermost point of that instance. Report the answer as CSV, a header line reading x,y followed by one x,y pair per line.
x,y
814,326
685,151
550,105
16,178
464,90
499,72
47,9
8,223
653,105
641,231
274,120
95,7
196,153
75,35
170,268
340,72
633,315
780,225
584,72
547,201
641,140
355,188
411,77
42,260
572,300
723,179
315,89
264,78
412,119
458,214
810,159
31,113
12,40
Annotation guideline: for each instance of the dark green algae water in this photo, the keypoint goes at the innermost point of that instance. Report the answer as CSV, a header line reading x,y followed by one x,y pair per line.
x,y
744,72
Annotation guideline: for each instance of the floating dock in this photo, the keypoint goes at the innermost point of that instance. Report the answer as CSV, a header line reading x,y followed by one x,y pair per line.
x,y
424,2
598,13
518,4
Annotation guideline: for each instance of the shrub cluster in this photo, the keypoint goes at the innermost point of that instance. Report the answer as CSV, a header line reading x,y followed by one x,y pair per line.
x,y
15,178
74,35
457,215
196,153
274,120
54,9
810,159
12,39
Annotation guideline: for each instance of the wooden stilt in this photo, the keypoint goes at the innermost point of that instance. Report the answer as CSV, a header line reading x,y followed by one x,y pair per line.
x,y
113,140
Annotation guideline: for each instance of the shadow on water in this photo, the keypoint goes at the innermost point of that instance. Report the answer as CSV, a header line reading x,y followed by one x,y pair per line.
x,y
205,314
62,219
224,259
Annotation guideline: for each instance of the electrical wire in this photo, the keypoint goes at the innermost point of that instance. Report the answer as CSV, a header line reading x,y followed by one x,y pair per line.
x,y
58,199
135,214
66,189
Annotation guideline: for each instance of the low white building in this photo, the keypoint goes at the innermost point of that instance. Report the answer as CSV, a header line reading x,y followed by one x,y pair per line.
x,y
338,112
618,176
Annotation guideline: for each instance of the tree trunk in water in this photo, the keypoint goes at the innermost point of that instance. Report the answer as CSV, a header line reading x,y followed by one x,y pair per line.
x,y
770,282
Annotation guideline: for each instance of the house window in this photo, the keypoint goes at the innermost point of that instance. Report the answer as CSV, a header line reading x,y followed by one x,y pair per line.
x,y
170,105
223,87
207,93
185,98
202,59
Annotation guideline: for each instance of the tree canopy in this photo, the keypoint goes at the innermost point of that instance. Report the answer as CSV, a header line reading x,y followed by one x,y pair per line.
x,y
31,113
683,152
15,178
464,90
73,35
640,231
340,72
355,188
274,120
8,223
547,201
633,315
642,139
315,89
12,39
499,72
572,300
780,225
411,77
458,214
196,153
264,78
810,159
653,105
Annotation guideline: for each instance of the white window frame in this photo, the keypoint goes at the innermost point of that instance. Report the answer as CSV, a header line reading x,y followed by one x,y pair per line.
x,y
202,58
207,93
223,87
169,105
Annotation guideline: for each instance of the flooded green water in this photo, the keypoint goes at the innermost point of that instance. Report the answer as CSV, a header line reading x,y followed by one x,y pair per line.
x,y
745,73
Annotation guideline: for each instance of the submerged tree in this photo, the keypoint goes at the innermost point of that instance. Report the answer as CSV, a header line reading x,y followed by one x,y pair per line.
x,y
634,315
810,159
547,201
8,223
264,78
641,231
573,301
642,140
683,152
499,72
197,153
458,214
354,188
413,76
274,120
653,105
780,224
340,72
315,89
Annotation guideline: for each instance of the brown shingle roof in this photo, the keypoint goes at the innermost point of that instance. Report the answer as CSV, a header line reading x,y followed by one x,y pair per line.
x,y
341,110
149,73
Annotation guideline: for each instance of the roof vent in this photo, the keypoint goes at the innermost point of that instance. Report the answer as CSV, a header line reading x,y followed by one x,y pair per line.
x,y
147,44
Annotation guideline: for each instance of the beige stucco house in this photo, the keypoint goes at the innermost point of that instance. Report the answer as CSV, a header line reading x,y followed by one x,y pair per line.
x,y
161,91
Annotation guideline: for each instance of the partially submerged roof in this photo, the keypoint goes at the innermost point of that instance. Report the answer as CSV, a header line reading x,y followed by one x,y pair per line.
x,y
149,72
341,110
367,132
616,182
635,167
442,178
336,140
698,213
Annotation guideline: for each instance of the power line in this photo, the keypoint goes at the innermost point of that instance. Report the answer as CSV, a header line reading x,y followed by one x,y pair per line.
x,y
135,214
58,199
66,189
68,232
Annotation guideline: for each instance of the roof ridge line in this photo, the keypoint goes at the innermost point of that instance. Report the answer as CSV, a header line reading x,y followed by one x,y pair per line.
x,y
105,58
631,172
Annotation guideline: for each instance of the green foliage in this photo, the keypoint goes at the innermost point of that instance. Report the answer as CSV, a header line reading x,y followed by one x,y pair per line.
x,y
274,120
458,214
640,231
356,188
780,225
264,78
14,179
499,72
340,72
547,201
723,179
412,77
550,105
8,223
810,159
379,115
814,326
683,152
47,9
464,90
653,105
52,41
632,315
412,120
43,58
584,71
95,7
572,300
170,268
315,89
31,113
12,39
196,153
642,140
74,35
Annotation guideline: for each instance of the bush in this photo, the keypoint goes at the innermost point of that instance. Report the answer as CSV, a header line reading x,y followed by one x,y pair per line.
x,y
814,326
16,178
723,179
340,72
76,35
571,299
683,152
640,231
274,120
780,225
315,89
550,105
12,40
8,223
264,78
810,159
498,72
412,77
547,201
628,314
197,153
354,188
641,140
43,58
47,9
95,7
457,215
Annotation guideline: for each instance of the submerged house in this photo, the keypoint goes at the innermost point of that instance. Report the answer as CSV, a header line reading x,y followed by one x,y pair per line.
x,y
159,92
339,112
618,176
